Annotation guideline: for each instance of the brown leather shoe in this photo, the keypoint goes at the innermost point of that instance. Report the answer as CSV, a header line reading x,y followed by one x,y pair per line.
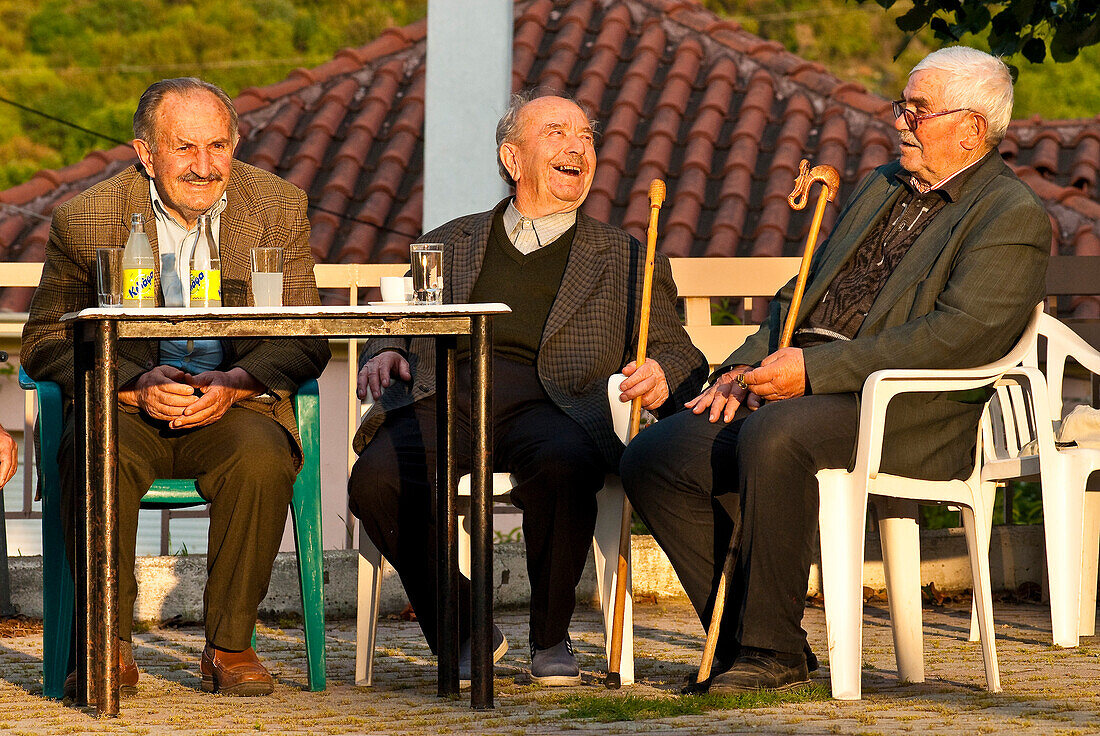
x,y
234,673
127,674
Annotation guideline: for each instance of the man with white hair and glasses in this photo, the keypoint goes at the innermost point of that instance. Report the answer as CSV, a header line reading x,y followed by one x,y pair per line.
x,y
935,262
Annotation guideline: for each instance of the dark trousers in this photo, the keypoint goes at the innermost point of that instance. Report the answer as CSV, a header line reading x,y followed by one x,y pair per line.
x,y
244,465
559,470
687,477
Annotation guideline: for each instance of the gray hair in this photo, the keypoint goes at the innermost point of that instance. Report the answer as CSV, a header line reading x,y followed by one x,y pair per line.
x,y
508,128
976,81
145,116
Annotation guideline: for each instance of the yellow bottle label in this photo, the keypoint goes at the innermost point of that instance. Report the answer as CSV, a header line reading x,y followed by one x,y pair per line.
x,y
206,285
137,284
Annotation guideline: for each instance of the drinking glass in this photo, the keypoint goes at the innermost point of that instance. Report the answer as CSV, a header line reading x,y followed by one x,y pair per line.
x,y
427,272
267,277
109,285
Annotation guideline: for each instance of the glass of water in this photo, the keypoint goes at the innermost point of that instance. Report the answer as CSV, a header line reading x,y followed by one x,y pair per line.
x,y
267,277
109,276
427,272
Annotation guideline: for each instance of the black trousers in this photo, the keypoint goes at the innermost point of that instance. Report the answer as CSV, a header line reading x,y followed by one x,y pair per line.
x,y
244,465
687,477
559,470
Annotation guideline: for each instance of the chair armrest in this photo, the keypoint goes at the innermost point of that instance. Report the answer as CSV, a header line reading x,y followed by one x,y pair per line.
x,y
1064,343
881,387
1032,380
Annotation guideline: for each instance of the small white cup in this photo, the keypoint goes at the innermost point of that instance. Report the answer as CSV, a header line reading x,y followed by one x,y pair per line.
x,y
396,289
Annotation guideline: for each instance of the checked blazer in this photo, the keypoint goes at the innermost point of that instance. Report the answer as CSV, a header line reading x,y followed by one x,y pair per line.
x,y
960,297
261,210
590,333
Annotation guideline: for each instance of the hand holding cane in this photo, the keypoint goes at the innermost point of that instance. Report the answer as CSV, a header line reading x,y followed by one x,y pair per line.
x,y
830,182
656,199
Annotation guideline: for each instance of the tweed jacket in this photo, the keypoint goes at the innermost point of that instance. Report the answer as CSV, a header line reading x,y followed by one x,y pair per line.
x,y
590,333
261,209
960,297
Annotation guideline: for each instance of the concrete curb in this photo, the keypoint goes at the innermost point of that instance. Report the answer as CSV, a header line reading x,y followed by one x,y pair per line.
x,y
172,586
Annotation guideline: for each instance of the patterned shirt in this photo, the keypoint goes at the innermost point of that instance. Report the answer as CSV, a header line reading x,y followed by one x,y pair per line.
x,y
529,235
843,307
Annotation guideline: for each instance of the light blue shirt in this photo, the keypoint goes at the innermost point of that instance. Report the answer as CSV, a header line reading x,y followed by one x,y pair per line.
x,y
175,244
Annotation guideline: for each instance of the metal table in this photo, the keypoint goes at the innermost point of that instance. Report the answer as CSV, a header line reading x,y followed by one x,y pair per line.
x,y
95,336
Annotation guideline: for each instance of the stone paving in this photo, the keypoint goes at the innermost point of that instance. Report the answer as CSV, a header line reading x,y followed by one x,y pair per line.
x,y
1046,690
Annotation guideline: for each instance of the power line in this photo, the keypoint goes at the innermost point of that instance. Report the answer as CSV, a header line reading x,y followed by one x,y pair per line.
x,y
25,211
56,119
146,68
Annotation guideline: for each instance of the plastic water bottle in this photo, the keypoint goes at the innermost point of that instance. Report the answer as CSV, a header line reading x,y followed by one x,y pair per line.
x,y
137,267
206,268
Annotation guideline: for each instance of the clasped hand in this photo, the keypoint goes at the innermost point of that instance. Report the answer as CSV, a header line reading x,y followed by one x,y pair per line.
x,y
781,375
187,401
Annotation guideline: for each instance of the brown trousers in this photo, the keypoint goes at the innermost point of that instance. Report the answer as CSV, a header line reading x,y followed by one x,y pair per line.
x,y
244,465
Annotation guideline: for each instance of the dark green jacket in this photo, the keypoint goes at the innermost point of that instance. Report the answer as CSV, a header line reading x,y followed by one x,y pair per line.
x,y
959,298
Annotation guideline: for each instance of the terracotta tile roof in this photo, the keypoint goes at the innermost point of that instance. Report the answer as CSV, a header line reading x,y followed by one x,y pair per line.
x,y
722,115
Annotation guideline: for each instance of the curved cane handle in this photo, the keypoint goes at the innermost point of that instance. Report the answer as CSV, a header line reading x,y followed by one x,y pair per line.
x,y
823,173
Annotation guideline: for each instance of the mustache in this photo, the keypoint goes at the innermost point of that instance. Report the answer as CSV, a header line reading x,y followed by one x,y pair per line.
x,y
191,177
572,159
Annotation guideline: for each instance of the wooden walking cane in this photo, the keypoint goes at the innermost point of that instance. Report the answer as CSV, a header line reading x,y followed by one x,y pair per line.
x,y
830,182
613,680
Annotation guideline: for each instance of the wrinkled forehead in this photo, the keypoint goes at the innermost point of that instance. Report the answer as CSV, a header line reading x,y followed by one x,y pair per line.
x,y
548,113
192,115
925,88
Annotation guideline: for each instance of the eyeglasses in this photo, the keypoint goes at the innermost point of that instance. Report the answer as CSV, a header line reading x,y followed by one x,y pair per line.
x,y
912,119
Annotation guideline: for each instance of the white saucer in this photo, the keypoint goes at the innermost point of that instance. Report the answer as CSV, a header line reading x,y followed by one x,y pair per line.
x,y
388,304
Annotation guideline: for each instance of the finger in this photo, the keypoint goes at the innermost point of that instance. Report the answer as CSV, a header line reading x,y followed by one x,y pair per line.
x,y
731,409
403,370
375,386
629,368
753,402
716,406
362,385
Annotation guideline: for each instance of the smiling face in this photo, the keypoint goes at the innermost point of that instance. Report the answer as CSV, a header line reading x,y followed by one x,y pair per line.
x,y
192,155
941,145
554,158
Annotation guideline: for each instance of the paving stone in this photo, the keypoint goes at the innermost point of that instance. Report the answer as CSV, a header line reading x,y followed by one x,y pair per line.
x,y
1046,690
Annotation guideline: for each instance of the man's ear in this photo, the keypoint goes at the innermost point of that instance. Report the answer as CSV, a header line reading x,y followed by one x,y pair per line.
x,y
974,133
509,156
145,155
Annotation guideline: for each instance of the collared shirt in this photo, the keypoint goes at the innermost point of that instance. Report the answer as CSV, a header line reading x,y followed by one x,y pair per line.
x,y
841,311
529,235
175,244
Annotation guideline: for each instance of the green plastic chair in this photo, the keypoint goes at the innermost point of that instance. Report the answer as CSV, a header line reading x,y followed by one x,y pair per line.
x,y
57,589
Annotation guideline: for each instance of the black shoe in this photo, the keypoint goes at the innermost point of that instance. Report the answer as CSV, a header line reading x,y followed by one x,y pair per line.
x,y
811,658
500,647
762,669
693,686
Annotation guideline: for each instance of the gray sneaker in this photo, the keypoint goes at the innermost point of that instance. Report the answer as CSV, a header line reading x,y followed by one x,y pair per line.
x,y
500,647
555,666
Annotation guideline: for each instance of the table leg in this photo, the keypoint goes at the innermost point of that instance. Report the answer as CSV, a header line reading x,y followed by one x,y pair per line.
x,y
84,503
481,520
105,464
447,623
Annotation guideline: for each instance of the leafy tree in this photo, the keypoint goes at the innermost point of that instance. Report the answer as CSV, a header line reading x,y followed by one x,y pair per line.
x,y
1028,27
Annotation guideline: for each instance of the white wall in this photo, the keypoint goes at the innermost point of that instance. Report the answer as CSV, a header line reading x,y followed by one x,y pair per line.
x,y
469,79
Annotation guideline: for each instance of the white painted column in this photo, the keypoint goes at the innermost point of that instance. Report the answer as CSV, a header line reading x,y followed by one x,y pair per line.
x,y
469,80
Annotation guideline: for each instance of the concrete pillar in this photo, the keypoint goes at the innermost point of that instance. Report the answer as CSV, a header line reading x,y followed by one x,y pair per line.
x,y
469,79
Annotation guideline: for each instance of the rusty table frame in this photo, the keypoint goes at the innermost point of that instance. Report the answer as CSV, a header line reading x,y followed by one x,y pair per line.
x,y
95,336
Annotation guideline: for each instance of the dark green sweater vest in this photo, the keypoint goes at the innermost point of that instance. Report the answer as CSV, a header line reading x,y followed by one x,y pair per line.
x,y
526,283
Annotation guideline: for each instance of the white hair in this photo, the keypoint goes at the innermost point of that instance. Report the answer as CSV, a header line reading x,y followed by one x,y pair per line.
x,y
976,81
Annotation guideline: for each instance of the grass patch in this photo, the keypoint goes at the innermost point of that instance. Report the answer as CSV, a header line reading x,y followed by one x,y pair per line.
x,y
610,708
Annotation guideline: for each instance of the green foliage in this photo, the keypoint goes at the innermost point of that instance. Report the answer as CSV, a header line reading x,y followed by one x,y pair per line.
x,y
611,708
1025,27
861,42
1027,508
87,61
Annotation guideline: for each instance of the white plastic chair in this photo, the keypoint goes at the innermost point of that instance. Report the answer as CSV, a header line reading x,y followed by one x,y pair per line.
x,y
842,519
1028,408
605,549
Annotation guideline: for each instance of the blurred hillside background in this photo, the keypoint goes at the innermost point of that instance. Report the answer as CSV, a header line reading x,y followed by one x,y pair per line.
x,y
86,61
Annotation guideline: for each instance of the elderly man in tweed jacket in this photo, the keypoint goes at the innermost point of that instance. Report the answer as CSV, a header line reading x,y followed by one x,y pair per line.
x,y
574,287
228,419
936,261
